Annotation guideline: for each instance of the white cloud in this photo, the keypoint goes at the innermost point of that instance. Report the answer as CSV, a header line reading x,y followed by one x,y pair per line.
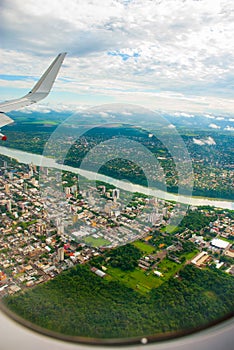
x,y
103,114
198,142
47,108
182,114
209,116
229,128
210,141
206,141
171,126
214,126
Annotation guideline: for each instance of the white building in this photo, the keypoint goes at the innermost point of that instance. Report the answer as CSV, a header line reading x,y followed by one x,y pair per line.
x,y
219,243
61,254
67,190
158,273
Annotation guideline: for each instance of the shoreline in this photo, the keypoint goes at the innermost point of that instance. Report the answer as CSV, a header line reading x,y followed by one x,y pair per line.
x,y
40,160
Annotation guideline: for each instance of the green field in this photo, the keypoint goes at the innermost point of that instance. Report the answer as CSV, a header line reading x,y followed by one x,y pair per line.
x,y
190,255
169,229
144,247
96,242
169,268
44,122
143,281
138,279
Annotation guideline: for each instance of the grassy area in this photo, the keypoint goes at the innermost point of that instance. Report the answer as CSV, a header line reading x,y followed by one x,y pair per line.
x,y
138,279
17,275
143,281
169,268
43,122
96,242
169,229
144,247
190,255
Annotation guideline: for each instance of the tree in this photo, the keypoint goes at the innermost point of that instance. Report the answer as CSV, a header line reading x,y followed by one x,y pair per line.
x,y
125,257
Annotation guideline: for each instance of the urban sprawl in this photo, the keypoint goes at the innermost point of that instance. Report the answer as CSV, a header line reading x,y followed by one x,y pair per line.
x,y
42,236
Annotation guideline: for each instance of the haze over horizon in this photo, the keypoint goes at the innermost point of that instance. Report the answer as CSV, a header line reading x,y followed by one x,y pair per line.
x,y
169,55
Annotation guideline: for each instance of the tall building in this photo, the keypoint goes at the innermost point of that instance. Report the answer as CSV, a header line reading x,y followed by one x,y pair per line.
x,y
115,194
90,194
84,194
10,175
58,221
165,212
73,189
74,218
9,205
61,254
60,229
154,218
41,226
67,191
108,208
7,188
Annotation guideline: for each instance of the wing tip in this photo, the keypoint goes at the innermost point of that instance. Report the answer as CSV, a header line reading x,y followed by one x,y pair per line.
x,y
63,54
40,90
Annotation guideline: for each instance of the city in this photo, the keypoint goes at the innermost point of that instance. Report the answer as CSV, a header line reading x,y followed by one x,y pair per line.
x,y
39,240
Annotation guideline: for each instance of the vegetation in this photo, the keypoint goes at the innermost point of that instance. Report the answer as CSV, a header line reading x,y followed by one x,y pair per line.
x,y
125,257
138,279
144,247
77,302
195,220
131,301
212,165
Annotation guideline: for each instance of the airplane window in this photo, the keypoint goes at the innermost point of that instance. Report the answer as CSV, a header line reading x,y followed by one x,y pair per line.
x,y
104,241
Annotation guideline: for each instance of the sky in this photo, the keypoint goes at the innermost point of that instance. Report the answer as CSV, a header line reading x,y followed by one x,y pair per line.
x,y
166,55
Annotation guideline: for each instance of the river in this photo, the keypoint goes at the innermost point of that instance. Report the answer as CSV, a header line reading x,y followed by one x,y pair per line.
x,y
27,158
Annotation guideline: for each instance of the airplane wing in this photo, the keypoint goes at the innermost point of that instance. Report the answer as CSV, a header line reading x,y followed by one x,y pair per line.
x,y
38,92
4,119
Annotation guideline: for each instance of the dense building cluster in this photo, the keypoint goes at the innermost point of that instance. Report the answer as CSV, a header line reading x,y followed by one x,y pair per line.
x,y
38,241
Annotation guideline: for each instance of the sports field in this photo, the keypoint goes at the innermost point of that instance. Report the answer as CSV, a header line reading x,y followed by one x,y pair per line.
x,y
96,242
144,247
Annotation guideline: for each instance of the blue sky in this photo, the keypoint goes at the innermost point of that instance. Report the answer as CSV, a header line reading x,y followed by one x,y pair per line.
x,y
172,55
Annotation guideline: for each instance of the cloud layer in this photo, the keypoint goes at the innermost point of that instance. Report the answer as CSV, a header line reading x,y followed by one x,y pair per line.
x,y
174,54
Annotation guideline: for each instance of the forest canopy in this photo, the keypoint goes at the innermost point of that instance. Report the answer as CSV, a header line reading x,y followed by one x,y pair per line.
x,y
79,303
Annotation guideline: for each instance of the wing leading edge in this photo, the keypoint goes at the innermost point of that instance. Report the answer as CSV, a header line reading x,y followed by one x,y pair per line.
x,y
4,119
38,92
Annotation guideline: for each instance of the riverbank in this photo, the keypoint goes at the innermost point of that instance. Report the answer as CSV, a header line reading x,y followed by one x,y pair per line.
x,y
39,160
